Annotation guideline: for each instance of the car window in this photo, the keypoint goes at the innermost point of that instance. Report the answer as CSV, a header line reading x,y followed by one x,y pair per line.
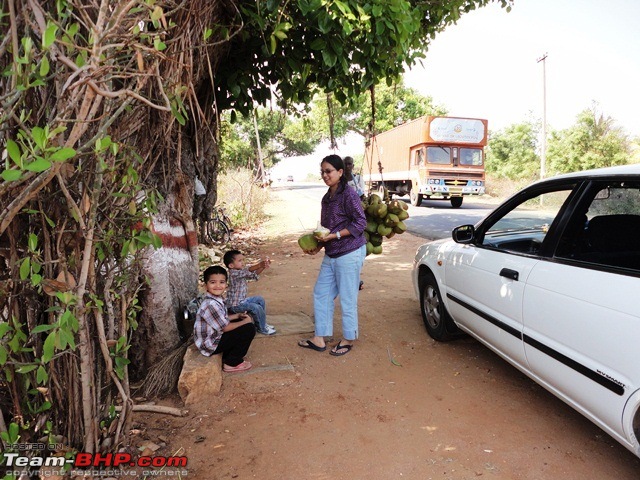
x,y
524,227
605,231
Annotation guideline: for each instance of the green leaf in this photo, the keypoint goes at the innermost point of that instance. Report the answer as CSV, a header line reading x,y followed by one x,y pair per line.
x,y
329,57
318,44
39,136
4,328
3,355
42,328
68,338
41,375
33,242
36,279
273,44
39,165
11,175
159,44
14,152
26,368
49,35
156,241
156,14
25,268
44,67
63,154
207,33
49,347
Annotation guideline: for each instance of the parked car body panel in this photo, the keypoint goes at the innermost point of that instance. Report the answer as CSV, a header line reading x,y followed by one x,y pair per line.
x,y
539,287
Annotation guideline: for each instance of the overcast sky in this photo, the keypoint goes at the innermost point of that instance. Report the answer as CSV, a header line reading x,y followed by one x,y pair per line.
x,y
486,65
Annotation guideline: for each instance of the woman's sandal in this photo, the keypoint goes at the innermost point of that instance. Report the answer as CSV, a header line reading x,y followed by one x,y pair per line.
x,y
309,344
335,350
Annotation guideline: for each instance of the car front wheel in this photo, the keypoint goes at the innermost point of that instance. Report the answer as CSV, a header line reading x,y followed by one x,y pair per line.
x,y
439,324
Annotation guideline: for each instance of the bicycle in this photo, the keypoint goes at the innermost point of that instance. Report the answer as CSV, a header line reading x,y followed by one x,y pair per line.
x,y
217,229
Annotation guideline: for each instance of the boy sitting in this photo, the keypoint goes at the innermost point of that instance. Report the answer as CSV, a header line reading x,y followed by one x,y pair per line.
x,y
215,331
237,300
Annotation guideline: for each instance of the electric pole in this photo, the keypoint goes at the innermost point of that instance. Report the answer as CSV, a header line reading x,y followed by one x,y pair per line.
x,y
543,154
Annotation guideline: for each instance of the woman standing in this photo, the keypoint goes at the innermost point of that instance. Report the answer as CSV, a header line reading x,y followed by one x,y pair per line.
x,y
345,251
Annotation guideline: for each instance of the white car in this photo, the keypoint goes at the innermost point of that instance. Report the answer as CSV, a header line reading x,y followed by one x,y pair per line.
x,y
550,281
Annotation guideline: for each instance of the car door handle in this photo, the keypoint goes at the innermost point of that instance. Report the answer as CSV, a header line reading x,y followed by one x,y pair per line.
x,y
507,272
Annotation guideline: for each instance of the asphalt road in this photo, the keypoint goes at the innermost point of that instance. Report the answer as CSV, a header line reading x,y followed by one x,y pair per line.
x,y
432,220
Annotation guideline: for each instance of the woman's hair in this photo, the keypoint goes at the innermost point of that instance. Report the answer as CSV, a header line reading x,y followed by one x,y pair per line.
x,y
336,162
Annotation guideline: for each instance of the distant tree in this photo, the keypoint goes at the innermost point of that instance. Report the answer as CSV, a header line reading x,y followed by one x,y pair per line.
x,y
394,105
635,151
594,141
281,135
512,153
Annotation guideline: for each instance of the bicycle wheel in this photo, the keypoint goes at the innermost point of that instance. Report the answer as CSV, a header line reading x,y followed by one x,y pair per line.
x,y
218,231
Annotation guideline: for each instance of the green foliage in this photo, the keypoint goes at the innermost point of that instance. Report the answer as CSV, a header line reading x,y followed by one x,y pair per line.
x,y
395,105
594,141
281,135
33,151
305,47
511,153
243,200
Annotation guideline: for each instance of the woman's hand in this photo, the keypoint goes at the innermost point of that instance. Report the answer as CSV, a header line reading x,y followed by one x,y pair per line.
x,y
328,238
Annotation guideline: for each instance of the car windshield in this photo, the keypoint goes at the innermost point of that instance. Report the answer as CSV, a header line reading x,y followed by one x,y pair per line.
x,y
534,214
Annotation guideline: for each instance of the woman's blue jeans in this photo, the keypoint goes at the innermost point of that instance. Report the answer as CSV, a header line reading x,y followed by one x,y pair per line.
x,y
338,277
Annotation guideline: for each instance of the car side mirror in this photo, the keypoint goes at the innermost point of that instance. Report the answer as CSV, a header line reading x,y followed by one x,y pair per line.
x,y
463,234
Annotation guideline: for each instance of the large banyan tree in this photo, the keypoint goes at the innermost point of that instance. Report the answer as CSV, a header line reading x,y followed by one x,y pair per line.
x,y
108,114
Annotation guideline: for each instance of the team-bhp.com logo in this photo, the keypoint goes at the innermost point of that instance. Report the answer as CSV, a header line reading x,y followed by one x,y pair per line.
x,y
92,461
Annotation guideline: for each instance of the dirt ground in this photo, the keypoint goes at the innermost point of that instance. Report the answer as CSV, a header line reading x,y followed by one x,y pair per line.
x,y
399,405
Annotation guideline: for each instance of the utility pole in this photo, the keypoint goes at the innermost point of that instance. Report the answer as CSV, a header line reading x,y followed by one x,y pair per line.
x,y
543,154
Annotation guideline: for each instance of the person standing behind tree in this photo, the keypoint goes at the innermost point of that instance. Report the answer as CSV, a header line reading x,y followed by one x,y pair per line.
x,y
344,247
353,179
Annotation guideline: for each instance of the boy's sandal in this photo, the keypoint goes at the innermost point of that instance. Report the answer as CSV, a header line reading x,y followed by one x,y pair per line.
x,y
242,367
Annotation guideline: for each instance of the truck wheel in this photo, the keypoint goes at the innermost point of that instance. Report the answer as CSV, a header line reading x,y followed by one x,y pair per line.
x,y
456,202
416,198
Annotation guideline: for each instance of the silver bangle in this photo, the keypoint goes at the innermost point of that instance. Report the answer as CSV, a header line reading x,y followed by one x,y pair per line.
x,y
338,236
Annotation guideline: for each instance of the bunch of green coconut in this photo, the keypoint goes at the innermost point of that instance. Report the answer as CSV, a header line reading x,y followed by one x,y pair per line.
x,y
385,218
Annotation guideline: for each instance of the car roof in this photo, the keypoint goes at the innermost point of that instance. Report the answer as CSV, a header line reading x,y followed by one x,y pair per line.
x,y
620,170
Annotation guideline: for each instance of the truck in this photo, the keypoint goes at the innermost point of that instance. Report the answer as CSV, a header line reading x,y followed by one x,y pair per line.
x,y
429,157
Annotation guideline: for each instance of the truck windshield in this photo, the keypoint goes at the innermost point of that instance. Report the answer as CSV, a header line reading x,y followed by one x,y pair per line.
x,y
439,155
470,156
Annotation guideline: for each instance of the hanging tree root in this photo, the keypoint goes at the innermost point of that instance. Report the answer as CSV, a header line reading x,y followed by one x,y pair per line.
x,y
163,377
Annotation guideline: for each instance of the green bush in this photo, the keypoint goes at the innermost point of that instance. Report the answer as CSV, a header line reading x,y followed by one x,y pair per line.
x,y
242,199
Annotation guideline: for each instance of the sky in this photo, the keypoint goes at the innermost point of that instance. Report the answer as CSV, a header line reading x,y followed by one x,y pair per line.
x,y
486,66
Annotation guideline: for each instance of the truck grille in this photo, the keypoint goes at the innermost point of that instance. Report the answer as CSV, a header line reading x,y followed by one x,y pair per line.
x,y
450,177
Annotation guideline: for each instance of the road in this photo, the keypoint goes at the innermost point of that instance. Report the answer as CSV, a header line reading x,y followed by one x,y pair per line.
x,y
432,220
399,406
